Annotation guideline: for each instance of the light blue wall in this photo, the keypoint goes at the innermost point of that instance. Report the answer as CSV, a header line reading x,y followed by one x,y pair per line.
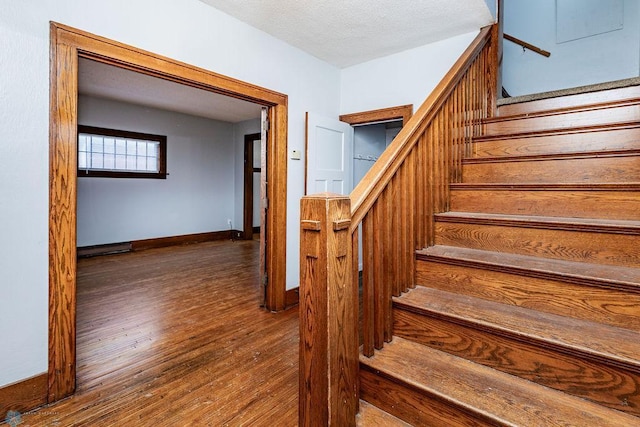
x,y
198,196
603,57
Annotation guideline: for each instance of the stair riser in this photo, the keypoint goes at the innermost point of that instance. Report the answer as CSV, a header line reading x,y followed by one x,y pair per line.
x,y
570,101
603,248
410,405
596,117
607,385
608,306
583,142
562,171
624,205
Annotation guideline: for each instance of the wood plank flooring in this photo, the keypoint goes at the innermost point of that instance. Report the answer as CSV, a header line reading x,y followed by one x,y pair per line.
x,y
176,337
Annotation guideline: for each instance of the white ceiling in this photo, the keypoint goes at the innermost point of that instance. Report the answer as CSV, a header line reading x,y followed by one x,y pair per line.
x,y
340,32
348,32
106,81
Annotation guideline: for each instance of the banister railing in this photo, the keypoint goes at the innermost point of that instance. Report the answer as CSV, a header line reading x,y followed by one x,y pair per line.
x,y
526,45
393,206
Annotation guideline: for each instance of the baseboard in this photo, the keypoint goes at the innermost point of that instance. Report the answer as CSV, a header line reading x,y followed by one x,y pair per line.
x,y
291,297
23,396
106,249
159,242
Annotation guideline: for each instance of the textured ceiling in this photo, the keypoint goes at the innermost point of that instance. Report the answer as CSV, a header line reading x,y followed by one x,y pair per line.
x,y
340,32
106,81
348,32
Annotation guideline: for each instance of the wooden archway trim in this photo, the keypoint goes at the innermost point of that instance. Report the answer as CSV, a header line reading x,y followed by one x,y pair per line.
x,y
67,45
403,112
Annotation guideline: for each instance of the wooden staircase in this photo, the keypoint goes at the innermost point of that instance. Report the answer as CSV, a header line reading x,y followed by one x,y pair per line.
x,y
526,307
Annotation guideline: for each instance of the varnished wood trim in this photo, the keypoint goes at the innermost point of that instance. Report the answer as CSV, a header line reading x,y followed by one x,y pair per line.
x,y
63,163
276,222
403,112
328,371
111,52
105,249
248,228
24,395
529,46
161,242
67,45
496,63
292,297
310,225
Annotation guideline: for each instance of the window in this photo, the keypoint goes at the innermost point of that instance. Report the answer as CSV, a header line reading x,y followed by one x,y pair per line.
x,y
121,154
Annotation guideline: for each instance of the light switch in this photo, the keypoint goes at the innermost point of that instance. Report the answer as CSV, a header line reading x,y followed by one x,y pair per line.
x,y
295,154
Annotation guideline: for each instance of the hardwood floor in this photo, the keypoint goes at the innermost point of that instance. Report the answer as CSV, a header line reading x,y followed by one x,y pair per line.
x,y
175,337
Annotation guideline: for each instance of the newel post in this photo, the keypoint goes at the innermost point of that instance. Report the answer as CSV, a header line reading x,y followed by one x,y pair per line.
x,y
328,394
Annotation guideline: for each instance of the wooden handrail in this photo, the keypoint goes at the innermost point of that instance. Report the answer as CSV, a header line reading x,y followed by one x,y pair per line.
x,y
524,44
375,180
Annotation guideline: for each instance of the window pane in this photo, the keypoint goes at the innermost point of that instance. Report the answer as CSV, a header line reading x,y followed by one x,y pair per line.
x,y
109,162
109,145
141,163
121,162
109,153
121,146
131,147
82,160
96,144
142,148
82,143
131,162
96,161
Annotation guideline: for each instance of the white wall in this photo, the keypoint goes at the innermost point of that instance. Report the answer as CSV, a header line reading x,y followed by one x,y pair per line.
x,y
198,195
186,30
599,58
403,78
493,7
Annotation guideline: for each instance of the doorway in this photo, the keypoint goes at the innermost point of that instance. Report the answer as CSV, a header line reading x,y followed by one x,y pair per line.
x,y
68,45
252,181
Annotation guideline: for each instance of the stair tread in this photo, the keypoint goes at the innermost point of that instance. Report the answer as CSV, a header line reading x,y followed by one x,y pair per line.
x,y
597,224
496,396
564,110
575,336
570,155
560,131
611,274
605,186
371,415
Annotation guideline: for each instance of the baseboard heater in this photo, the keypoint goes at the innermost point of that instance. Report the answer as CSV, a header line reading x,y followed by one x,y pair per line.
x,y
106,249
